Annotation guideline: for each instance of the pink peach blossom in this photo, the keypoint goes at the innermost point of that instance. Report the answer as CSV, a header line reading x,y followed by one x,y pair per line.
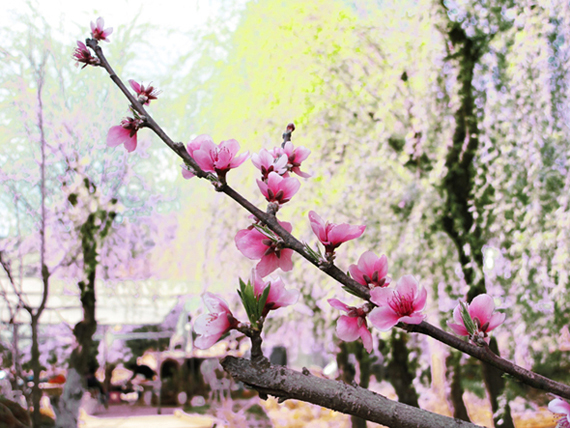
x,y
371,271
191,147
145,95
257,246
481,311
83,54
278,189
266,163
332,235
402,304
211,326
219,159
278,296
353,325
98,32
294,157
562,407
125,133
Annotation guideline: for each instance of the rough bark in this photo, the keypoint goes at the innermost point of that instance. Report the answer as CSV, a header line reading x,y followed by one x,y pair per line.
x,y
285,384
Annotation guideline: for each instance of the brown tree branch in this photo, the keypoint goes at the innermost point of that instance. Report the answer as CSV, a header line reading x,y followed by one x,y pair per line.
x,y
330,269
285,383
483,353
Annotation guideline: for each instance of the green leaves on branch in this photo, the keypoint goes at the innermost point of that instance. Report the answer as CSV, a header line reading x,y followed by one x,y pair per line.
x,y
468,322
253,304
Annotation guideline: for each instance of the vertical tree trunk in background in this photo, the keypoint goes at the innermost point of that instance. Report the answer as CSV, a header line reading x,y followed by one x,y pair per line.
x,y
347,373
458,187
399,372
495,382
36,368
95,227
453,375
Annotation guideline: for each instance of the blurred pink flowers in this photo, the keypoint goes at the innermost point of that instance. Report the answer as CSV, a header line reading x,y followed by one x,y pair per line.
x,y
332,235
218,158
278,296
402,304
278,189
481,311
210,327
353,325
125,133
371,271
562,407
83,54
256,245
145,95
98,32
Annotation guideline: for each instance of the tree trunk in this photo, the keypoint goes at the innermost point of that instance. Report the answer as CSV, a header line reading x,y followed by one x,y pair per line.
x,y
495,385
347,374
80,362
36,368
399,372
453,374
459,186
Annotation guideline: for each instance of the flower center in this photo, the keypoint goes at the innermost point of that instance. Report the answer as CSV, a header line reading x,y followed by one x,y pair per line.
x,y
402,304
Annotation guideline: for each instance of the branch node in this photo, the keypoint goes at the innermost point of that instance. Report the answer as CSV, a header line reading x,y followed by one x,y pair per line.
x,y
306,371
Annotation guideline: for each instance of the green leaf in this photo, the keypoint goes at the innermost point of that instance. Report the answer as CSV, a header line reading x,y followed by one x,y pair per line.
x,y
467,320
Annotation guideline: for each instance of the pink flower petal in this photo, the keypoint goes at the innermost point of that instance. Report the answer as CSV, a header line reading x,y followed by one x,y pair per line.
x,y
347,328
496,320
203,159
267,264
131,143
366,337
285,260
205,342
381,296
559,406
458,329
318,226
249,242
407,286
415,318
383,318
344,232
357,274
337,304
135,85
482,307
187,174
